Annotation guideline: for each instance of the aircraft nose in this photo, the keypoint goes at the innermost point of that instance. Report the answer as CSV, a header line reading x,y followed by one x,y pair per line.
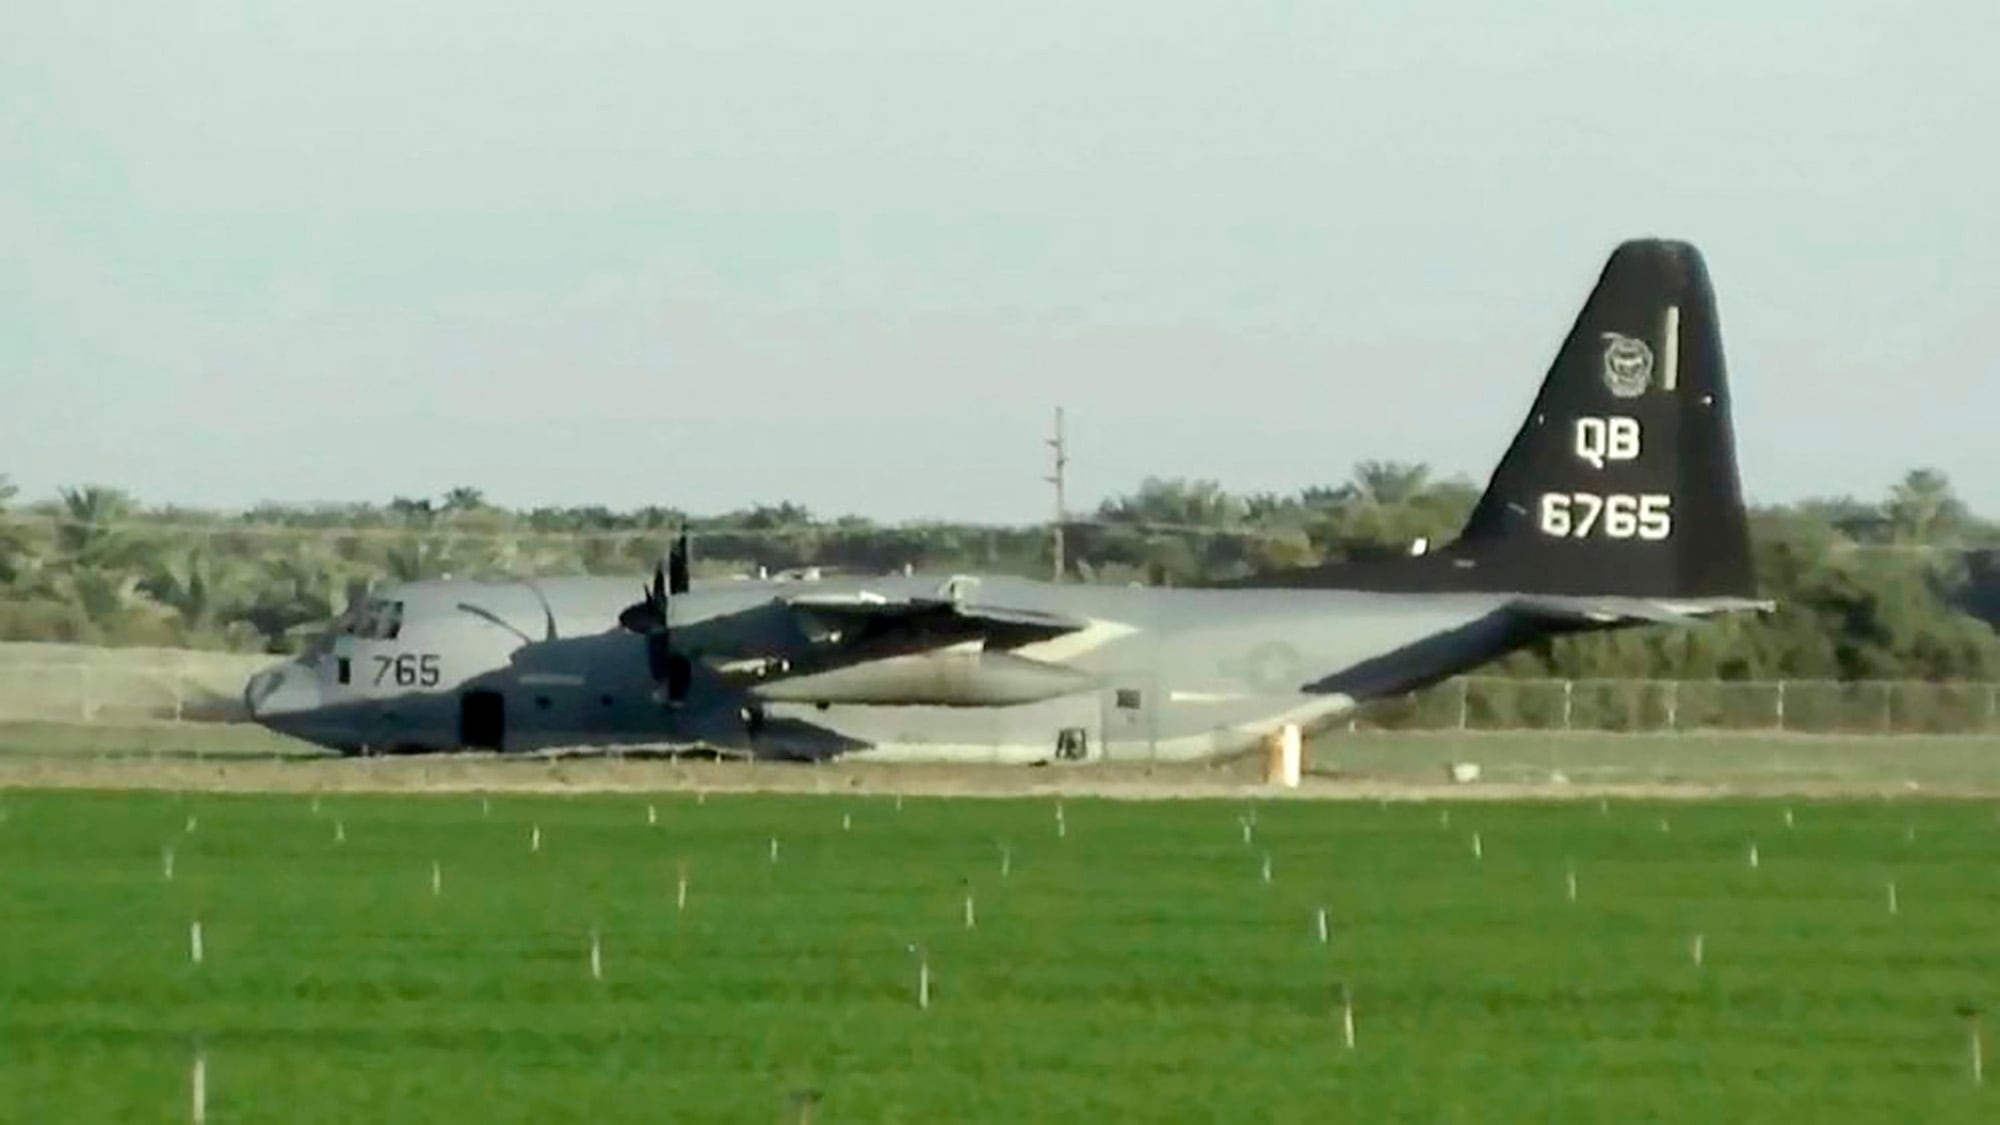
x,y
283,689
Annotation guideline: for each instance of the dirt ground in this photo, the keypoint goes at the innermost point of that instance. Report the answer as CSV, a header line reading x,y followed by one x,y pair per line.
x,y
1132,782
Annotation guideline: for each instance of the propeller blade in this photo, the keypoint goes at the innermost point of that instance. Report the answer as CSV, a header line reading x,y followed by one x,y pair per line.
x,y
677,564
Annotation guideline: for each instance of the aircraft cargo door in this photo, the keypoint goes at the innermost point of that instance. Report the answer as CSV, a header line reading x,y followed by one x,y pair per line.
x,y
482,720
1131,726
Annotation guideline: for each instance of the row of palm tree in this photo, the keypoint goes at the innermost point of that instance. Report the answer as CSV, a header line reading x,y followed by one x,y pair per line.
x,y
95,565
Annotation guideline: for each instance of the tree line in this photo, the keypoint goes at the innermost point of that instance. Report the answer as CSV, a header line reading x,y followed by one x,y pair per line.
x,y
1901,587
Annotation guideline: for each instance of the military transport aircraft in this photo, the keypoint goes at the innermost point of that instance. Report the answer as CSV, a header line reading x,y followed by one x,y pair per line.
x,y
1617,504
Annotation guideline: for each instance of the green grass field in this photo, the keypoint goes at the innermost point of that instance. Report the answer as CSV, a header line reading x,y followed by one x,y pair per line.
x,y
1136,967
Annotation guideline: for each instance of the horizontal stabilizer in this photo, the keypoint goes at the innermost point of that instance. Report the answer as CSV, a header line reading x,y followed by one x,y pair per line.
x,y
1589,611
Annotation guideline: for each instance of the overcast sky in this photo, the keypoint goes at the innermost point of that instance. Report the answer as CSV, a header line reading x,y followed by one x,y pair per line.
x,y
854,254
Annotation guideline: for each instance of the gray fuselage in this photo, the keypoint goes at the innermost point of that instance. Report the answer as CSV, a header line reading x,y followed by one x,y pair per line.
x,y
1171,674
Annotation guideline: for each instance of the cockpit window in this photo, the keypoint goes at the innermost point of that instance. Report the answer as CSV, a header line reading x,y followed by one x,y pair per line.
x,y
379,620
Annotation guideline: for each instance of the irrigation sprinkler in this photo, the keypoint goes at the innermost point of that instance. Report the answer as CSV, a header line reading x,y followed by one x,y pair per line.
x,y
923,976
1347,1015
1970,1013
198,1087
802,1102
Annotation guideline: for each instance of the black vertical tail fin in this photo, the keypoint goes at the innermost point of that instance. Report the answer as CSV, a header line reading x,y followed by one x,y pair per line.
x,y
1622,481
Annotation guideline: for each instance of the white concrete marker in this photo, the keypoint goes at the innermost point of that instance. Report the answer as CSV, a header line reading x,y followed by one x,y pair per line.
x,y
437,878
1478,848
1694,950
970,920
1320,921
1753,857
1788,816
194,941
1892,896
198,1088
846,822
774,849
535,838
1246,828
681,892
596,956
339,832
1286,758
1570,879
1006,860
1267,867
652,815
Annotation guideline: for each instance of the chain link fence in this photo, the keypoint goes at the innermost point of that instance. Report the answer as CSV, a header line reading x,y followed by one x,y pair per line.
x,y
1492,703
78,685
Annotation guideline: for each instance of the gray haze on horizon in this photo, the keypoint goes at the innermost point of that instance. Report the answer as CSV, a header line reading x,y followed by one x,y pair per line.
x,y
853,255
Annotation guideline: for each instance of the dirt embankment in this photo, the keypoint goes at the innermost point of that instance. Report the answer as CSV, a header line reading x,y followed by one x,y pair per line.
x,y
596,775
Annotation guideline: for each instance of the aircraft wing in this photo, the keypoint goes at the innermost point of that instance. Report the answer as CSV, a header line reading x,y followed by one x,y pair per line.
x,y
870,620
1626,610
866,648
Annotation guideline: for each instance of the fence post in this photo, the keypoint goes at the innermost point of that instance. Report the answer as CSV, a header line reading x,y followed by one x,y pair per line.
x,y
1569,687
1673,705
1464,699
1781,705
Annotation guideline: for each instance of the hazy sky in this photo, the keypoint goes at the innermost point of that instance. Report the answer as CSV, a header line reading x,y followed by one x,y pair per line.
x,y
854,254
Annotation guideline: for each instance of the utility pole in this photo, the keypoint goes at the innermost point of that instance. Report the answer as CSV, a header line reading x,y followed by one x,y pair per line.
x,y
1062,462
